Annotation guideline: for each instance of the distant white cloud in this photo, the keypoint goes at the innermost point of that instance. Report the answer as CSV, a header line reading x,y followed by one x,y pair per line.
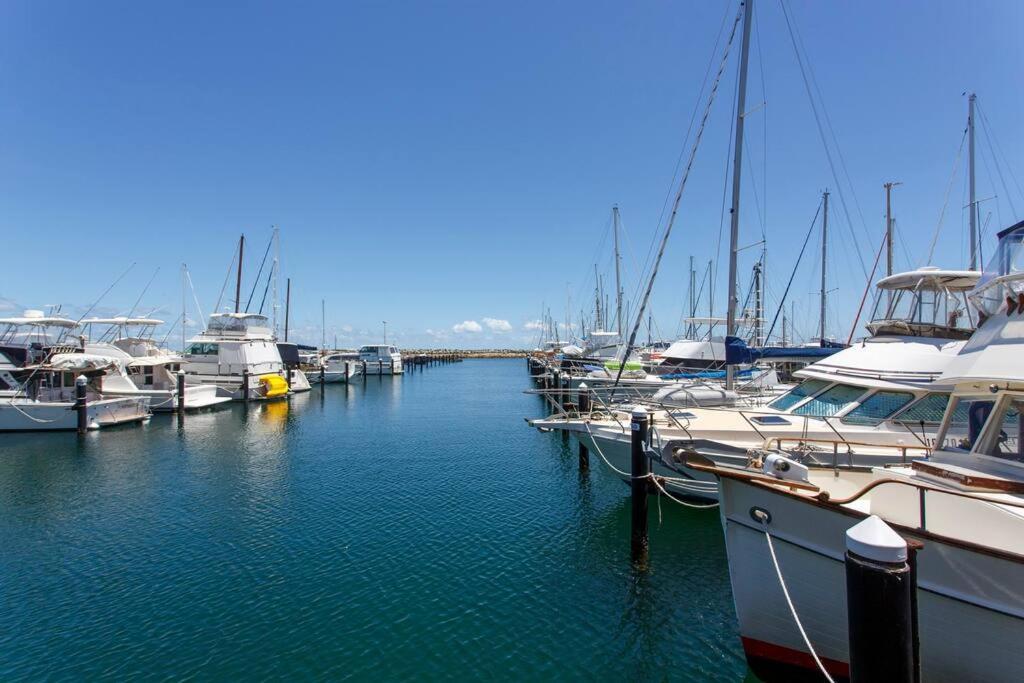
x,y
497,325
533,325
467,326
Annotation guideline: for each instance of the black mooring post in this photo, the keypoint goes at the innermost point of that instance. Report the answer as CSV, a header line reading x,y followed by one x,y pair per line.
x,y
181,396
245,386
364,373
392,366
640,467
583,405
81,404
880,589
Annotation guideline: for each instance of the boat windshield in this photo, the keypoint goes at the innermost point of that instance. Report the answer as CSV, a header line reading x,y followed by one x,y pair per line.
x,y
917,307
830,402
877,407
989,296
1007,443
969,411
808,387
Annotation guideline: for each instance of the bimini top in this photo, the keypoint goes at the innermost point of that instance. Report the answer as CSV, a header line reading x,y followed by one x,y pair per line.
x,y
234,325
34,317
124,321
930,277
993,354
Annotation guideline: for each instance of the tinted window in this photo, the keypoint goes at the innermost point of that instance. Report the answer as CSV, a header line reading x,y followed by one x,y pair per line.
x,y
799,393
878,406
1008,443
830,402
202,349
929,410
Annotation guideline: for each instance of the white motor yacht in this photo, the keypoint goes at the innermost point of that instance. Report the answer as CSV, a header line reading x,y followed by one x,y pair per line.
x,y
963,505
380,359
237,353
146,368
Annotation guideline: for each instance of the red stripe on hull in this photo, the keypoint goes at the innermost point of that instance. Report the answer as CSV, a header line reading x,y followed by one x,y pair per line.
x,y
776,663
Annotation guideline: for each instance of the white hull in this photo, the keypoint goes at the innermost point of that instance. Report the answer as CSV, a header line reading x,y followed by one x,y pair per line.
x,y
24,415
374,367
970,602
299,382
230,386
197,396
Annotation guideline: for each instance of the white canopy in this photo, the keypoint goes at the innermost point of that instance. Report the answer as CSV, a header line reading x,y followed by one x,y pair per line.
x,y
931,278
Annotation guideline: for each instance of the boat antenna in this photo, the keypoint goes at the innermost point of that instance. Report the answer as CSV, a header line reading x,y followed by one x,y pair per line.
x,y
744,13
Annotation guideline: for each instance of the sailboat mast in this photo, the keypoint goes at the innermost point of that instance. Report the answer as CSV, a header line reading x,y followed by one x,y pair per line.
x,y
277,263
287,305
971,203
184,307
693,302
618,277
597,300
238,279
323,325
824,265
737,167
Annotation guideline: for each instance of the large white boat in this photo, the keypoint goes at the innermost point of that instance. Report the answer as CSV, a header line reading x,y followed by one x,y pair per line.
x,y
237,353
964,504
143,366
871,403
380,359
335,367
42,397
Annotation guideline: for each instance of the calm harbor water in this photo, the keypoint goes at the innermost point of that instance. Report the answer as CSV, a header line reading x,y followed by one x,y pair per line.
x,y
409,528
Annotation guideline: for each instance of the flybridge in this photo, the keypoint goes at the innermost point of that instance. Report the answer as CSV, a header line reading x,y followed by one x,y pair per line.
x,y
248,325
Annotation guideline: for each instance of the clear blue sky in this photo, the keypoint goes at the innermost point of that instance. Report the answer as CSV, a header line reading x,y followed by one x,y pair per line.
x,y
435,163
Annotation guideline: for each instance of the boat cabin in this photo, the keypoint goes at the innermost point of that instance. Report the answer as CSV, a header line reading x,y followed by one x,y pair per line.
x,y
927,302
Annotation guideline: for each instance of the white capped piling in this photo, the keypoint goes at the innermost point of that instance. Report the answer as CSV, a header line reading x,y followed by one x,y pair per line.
x,y
880,604
639,469
81,404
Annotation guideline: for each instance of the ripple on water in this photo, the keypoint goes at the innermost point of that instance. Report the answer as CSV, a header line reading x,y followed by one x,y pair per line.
x,y
407,528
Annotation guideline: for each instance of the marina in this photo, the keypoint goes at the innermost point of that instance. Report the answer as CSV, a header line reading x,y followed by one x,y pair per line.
x,y
536,342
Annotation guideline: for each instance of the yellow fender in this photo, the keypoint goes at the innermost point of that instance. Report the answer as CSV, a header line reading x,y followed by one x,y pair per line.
x,y
273,385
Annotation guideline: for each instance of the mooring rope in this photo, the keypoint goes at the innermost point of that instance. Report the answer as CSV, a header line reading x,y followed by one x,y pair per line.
x,y
789,601
654,478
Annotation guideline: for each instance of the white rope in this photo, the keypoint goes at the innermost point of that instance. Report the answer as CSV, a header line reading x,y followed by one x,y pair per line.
x,y
38,420
789,601
696,506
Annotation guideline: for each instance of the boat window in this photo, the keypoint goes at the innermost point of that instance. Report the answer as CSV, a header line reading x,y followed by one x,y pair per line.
x,y
830,402
1008,443
877,407
929,410
808,387
972,414
202,349
770,420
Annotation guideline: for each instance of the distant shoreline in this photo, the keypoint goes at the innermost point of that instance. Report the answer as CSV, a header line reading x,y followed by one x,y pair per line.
x,y
470,353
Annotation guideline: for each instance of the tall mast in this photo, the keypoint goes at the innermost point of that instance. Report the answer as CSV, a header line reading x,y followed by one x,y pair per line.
x,y
693,302
287,305
618,277
758,306
597,300
238,280
971,203
323,325
824,265
184,307
277,263
888,228
737,166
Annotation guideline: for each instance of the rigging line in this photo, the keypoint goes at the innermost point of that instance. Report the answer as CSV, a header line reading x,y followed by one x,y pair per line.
x,y
227,276
144,290
785,293
686,139
999,212
270,276
725,193
867,288
192,287
992,149
945,200
63,335
679,196
764,128
259,272
821,134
